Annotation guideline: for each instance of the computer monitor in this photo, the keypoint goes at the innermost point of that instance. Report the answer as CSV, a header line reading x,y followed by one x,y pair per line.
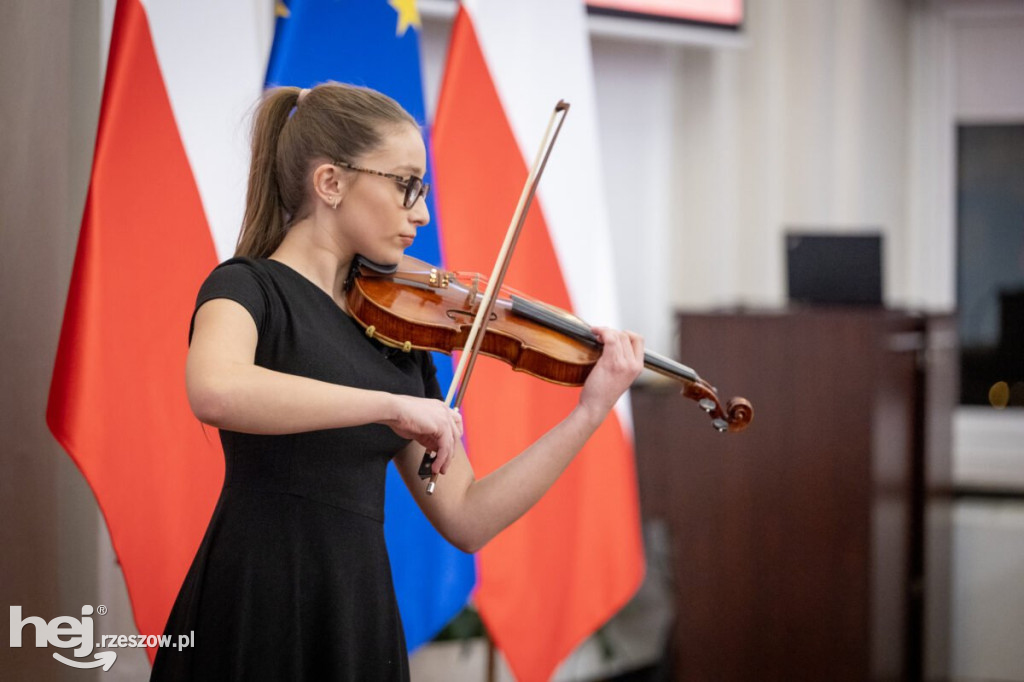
x,y
830,268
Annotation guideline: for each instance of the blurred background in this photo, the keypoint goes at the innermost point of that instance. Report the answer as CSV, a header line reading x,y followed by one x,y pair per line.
x,y
870,524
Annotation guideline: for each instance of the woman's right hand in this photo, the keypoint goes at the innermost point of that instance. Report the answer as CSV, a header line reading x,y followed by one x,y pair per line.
x,y
430,423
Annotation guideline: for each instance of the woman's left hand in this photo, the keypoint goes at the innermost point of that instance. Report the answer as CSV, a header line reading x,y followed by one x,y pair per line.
x,y
621,361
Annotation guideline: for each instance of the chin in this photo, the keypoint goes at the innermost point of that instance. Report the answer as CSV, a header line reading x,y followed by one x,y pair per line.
x,y
385,257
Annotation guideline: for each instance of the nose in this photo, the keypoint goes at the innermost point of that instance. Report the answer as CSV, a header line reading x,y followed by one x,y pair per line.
x,y
419,214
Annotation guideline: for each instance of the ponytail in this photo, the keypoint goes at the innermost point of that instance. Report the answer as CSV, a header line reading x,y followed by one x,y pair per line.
x,y
292,130
263,227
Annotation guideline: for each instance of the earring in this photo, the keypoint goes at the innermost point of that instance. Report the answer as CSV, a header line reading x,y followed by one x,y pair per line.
x,y
334,204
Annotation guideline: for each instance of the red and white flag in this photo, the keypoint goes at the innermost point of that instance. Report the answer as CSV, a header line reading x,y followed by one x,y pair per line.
x,y
569,564
180,75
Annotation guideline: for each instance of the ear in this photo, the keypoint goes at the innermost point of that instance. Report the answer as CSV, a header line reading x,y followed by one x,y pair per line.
x,y
329,184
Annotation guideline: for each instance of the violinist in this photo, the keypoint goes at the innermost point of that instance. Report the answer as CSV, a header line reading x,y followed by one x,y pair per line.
x,y
292,579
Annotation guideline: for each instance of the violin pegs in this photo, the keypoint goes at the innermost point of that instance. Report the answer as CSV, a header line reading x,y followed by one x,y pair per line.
x,y
706,404
720,425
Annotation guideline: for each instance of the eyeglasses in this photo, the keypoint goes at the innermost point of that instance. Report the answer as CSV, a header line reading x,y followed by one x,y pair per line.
x,y
413,185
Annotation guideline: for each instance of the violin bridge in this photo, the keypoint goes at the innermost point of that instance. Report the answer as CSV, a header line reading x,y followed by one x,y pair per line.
x,y
471,296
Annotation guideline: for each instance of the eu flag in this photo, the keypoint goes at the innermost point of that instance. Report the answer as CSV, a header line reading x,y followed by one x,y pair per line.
x,y
375,43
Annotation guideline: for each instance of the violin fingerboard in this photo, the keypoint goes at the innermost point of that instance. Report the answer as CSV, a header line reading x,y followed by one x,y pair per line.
x,y
555,319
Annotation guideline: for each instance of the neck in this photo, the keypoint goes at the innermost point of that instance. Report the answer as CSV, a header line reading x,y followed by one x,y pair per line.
x,y
310,251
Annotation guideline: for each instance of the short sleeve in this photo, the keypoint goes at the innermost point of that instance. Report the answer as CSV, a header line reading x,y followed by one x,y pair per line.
x,y
236,280
431,389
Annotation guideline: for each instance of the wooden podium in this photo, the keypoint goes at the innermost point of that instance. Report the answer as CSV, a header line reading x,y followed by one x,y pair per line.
x,y
815,544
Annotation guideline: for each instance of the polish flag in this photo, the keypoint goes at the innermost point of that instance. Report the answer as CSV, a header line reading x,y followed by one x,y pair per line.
x,y
561,571
167,184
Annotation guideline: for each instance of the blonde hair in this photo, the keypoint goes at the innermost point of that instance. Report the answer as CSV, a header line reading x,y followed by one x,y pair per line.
x,y
293,128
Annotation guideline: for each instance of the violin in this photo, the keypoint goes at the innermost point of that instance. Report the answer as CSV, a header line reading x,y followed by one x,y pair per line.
x,y
417,305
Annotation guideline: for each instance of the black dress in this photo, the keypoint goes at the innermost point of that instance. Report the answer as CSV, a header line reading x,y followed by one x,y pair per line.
x,y
292,580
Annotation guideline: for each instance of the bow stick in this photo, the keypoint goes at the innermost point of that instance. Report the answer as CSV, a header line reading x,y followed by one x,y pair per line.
x,y
476,333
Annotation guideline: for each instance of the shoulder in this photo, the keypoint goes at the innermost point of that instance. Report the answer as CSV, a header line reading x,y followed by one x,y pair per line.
x,y
239,270
246,281
236,275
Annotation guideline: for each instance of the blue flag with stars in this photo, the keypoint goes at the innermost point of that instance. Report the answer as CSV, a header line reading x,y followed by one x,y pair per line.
x,y
375,43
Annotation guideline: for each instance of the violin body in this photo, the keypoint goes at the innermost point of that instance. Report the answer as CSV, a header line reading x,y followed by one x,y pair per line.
x,y
420,306
417,305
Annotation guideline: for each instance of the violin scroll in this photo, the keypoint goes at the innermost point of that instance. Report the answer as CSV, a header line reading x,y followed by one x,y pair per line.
x,y
735,416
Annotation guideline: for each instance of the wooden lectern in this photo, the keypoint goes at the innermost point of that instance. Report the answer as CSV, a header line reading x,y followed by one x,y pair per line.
x,y
815,544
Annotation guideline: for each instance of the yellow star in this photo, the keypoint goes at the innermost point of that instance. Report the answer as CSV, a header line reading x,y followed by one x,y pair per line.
x,y
408,15
281,10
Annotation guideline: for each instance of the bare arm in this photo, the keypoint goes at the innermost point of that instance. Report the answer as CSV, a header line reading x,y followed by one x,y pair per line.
x,y
227,390
469,512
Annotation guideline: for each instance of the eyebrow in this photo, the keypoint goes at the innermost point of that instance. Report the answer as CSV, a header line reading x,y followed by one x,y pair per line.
x,y
414,170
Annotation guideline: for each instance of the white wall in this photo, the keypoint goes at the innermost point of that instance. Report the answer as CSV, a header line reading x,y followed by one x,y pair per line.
x,y
988,591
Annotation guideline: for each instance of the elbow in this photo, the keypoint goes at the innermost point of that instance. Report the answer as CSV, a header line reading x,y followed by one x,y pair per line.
x,y
468,541
467,525
209,403
468,547
212,392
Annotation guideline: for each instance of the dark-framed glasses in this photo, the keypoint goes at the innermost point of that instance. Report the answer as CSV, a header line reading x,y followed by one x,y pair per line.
x,y
413,185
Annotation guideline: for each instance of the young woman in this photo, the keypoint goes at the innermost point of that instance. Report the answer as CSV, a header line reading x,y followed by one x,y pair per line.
x,y
292,580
